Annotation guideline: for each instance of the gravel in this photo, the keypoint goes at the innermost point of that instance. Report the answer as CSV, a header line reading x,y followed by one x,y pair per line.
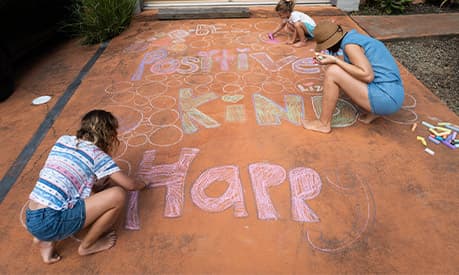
x,y
434,61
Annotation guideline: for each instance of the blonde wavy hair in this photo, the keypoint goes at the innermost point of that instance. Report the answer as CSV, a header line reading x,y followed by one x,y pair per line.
x,y
285,6
100,127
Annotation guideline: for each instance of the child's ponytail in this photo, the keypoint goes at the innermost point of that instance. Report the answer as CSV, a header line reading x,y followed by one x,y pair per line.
x,y
285,6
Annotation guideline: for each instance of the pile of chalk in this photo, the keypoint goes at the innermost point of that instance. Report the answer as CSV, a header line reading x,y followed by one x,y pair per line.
x,y
444,133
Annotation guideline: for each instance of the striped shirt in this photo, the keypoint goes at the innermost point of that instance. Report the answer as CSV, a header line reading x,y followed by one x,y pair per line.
x,y
72,168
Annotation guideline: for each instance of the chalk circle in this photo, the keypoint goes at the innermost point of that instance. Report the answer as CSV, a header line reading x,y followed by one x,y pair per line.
x,y
166,136
146,109
309,85
147,35
231,35
217,87
164,117
156,77
231,88
280,50
345,115
198,79
227,77
409,102
306,66
247,39
137,140
124,97
41,100
222,41
118,87
174,83
121,149
201,89
403,116
141,101
266,25
257,47
128,117
241,26
251,89
254,77
235,98
165,66
272,87
177,48
136,47
200,44
163,102
152,88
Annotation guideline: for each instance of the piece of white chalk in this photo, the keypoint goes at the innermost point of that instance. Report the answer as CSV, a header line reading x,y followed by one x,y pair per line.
x,y
428,151
428,125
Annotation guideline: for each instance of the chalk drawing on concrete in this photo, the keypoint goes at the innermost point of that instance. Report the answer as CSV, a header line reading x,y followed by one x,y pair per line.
x,y
156,77
232,98
305,184
174,83
251,89
264,176
137,47
280,50
200,44
231,88
191,115
151,88
360,226
125,97
266,25
199,79
166,136
172,176
162,102
235,113
269,64
165,66
268,112
201,89
406,115
227,77
178,48
141,101
247,39
241,27
257,47
272,87
310,85
137,140
345,113
118,87
306,66
232,197
129,118
254,78
242,59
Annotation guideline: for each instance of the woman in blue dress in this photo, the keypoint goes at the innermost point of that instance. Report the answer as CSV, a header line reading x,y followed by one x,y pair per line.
x,y
368,74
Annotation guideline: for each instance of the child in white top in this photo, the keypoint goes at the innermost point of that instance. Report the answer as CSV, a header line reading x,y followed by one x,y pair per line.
x,y
297,22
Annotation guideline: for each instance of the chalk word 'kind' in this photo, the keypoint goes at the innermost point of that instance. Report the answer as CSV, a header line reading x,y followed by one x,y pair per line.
x,y
305,184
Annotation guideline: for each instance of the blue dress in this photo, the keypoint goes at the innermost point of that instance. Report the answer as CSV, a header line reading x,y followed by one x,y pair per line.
x,y
386,91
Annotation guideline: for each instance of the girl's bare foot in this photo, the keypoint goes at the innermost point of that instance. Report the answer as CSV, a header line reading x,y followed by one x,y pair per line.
x,y
105,242
316,125
367,118
300,44
48,254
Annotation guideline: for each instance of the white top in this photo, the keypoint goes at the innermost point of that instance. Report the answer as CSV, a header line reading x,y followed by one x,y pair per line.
x,y
296,16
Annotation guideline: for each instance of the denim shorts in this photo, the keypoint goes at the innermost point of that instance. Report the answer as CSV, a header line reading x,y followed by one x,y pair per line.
x,y
386,97
47,224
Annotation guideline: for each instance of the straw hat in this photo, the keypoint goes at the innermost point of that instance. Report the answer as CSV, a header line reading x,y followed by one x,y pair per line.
x,y
327,34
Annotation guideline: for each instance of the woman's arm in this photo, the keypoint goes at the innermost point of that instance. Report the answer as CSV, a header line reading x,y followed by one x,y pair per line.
x,y
126,182
360,67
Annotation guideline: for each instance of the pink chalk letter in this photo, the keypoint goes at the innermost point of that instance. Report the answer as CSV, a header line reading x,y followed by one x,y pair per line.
x,y
305,184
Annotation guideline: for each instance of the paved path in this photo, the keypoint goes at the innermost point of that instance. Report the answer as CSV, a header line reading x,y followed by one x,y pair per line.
x,y
409,26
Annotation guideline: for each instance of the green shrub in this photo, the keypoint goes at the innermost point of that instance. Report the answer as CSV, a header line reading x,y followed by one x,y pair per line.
x,y
99,20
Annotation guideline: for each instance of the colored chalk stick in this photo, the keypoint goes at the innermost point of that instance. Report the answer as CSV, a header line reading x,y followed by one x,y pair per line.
x,y
423,140
454,135
443,129
443,123
438,133
429,151
428,125
434,140
414,127
439,138
453,127
448,144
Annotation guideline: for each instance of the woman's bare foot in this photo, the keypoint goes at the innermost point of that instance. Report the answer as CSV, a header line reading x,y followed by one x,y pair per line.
x,y
300,44
316,125
48,254
367,118
105,242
